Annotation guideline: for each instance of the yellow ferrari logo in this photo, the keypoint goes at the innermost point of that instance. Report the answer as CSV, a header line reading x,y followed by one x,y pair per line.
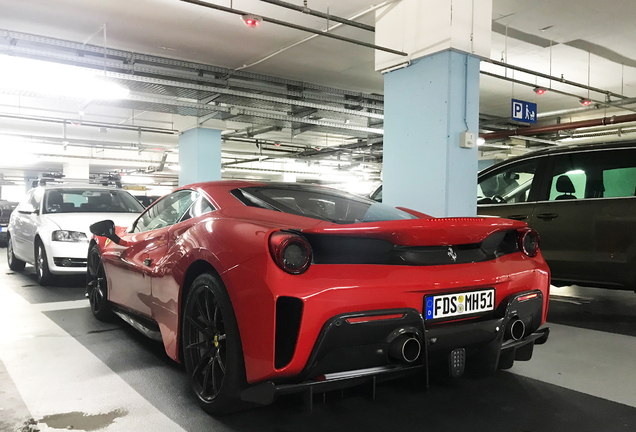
x,y
107,241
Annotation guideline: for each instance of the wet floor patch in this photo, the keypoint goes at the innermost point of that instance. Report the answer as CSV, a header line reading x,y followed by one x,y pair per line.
x,y
78,420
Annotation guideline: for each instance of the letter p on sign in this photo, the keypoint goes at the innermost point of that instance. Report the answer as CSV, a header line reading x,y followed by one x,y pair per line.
x,y
517,110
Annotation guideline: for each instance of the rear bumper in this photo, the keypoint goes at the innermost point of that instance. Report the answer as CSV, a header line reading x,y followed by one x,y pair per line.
x,y
326,291
485,337
355,348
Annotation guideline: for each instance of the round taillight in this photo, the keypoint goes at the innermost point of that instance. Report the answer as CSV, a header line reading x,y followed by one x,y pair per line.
x,y
291,252
528,240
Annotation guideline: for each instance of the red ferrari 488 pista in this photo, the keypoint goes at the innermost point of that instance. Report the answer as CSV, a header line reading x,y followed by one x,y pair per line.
x,y
267,289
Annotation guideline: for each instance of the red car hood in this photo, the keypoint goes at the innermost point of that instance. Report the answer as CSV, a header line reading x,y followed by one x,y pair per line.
x,y
423,232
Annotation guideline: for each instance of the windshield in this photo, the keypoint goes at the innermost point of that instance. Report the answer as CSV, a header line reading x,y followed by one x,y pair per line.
x,y
90,201
319,203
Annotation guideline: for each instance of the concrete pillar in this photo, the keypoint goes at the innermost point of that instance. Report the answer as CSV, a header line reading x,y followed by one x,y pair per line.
x,y
199,156
431,101
76,170
427,106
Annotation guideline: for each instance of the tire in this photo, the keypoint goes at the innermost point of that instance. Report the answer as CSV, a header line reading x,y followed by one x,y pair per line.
x,y
15,264
44,275
96,286
212,350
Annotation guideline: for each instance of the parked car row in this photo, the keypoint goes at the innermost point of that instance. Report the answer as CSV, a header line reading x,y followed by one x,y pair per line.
x,y
581,199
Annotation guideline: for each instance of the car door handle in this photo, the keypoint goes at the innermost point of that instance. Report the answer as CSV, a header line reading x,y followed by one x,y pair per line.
x,y
147,262
547,216
518,217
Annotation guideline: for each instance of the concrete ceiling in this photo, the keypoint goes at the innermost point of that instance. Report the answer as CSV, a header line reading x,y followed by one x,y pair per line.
x,y
563,38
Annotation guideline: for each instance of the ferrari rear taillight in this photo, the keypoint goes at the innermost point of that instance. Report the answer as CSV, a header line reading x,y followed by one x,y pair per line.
x,y
290,251
528,241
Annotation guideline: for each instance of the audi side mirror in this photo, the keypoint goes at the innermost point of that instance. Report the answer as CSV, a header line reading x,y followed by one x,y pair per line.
x,y
105,228
27,209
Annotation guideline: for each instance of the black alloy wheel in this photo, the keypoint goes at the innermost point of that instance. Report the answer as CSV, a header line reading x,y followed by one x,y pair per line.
x,y
15,264
96,287
212,347
44,275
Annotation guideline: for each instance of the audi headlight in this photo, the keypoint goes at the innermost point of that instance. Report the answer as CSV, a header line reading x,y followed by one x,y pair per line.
x,y
69,236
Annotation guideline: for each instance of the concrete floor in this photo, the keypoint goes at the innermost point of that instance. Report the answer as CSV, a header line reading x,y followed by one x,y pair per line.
x,y
62,369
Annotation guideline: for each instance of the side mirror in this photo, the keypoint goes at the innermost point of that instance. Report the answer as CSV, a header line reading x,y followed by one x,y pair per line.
x,y
27,209
105,228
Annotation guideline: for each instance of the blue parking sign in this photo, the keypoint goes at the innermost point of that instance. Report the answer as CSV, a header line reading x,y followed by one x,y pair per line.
x,y
524,111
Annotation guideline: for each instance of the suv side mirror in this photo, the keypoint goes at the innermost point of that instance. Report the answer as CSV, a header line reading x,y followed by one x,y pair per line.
x,y
105,228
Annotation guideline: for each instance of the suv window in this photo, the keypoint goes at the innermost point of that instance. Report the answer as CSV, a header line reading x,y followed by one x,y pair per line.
x,y
511,184
167,211
597,174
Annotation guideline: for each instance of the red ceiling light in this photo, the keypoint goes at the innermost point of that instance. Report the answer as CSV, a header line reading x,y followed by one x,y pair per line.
x,y
585,102
539,90
252,21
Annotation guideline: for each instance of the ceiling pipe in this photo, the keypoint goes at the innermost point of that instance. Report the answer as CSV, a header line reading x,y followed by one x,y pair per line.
x,y
553,78
516,81
558,113
308,38
326,16
90,124
296,27
535,130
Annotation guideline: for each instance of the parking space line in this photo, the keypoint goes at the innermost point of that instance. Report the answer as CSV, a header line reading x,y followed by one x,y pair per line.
x,y
57,376
63,305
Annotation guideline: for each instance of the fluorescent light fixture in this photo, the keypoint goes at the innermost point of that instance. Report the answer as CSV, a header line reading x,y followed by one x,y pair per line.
x,y
137,179
40,77
174,167
576,171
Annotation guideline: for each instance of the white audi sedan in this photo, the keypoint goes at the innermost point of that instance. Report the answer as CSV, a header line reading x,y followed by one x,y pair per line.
x,y
49,228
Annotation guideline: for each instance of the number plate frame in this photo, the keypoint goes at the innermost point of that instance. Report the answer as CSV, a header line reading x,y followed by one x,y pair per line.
x,y
430,307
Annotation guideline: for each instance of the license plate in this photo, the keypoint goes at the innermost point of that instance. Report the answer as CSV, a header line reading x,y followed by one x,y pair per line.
x,y
459,304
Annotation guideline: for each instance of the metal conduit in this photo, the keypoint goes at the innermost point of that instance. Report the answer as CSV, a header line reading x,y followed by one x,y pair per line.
x,y
534,130
553,78
296,27
516,81
330,17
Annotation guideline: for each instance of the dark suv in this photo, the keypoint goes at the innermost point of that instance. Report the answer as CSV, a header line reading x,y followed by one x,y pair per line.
x,y
6,207
581,199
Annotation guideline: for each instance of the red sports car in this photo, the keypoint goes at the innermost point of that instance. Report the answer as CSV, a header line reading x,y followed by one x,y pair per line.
x,y
268,289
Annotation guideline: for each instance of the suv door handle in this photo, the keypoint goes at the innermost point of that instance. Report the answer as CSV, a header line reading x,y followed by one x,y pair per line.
x,y
547,216
518,217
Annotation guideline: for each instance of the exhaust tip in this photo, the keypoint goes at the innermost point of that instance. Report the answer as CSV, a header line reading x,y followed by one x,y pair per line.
x,y
411,350
405,348
517,329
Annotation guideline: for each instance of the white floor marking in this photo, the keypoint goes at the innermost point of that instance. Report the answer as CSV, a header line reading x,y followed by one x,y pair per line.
x,y
55,374
64,305
589,361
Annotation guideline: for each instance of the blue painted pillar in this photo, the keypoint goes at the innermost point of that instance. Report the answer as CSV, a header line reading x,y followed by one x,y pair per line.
x,y
427,106
199,156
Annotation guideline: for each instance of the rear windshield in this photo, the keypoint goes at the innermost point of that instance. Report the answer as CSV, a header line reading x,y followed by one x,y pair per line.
x,y
90,201
319,203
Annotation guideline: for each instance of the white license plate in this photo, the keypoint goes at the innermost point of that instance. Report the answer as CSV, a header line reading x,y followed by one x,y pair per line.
x,y
458,304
